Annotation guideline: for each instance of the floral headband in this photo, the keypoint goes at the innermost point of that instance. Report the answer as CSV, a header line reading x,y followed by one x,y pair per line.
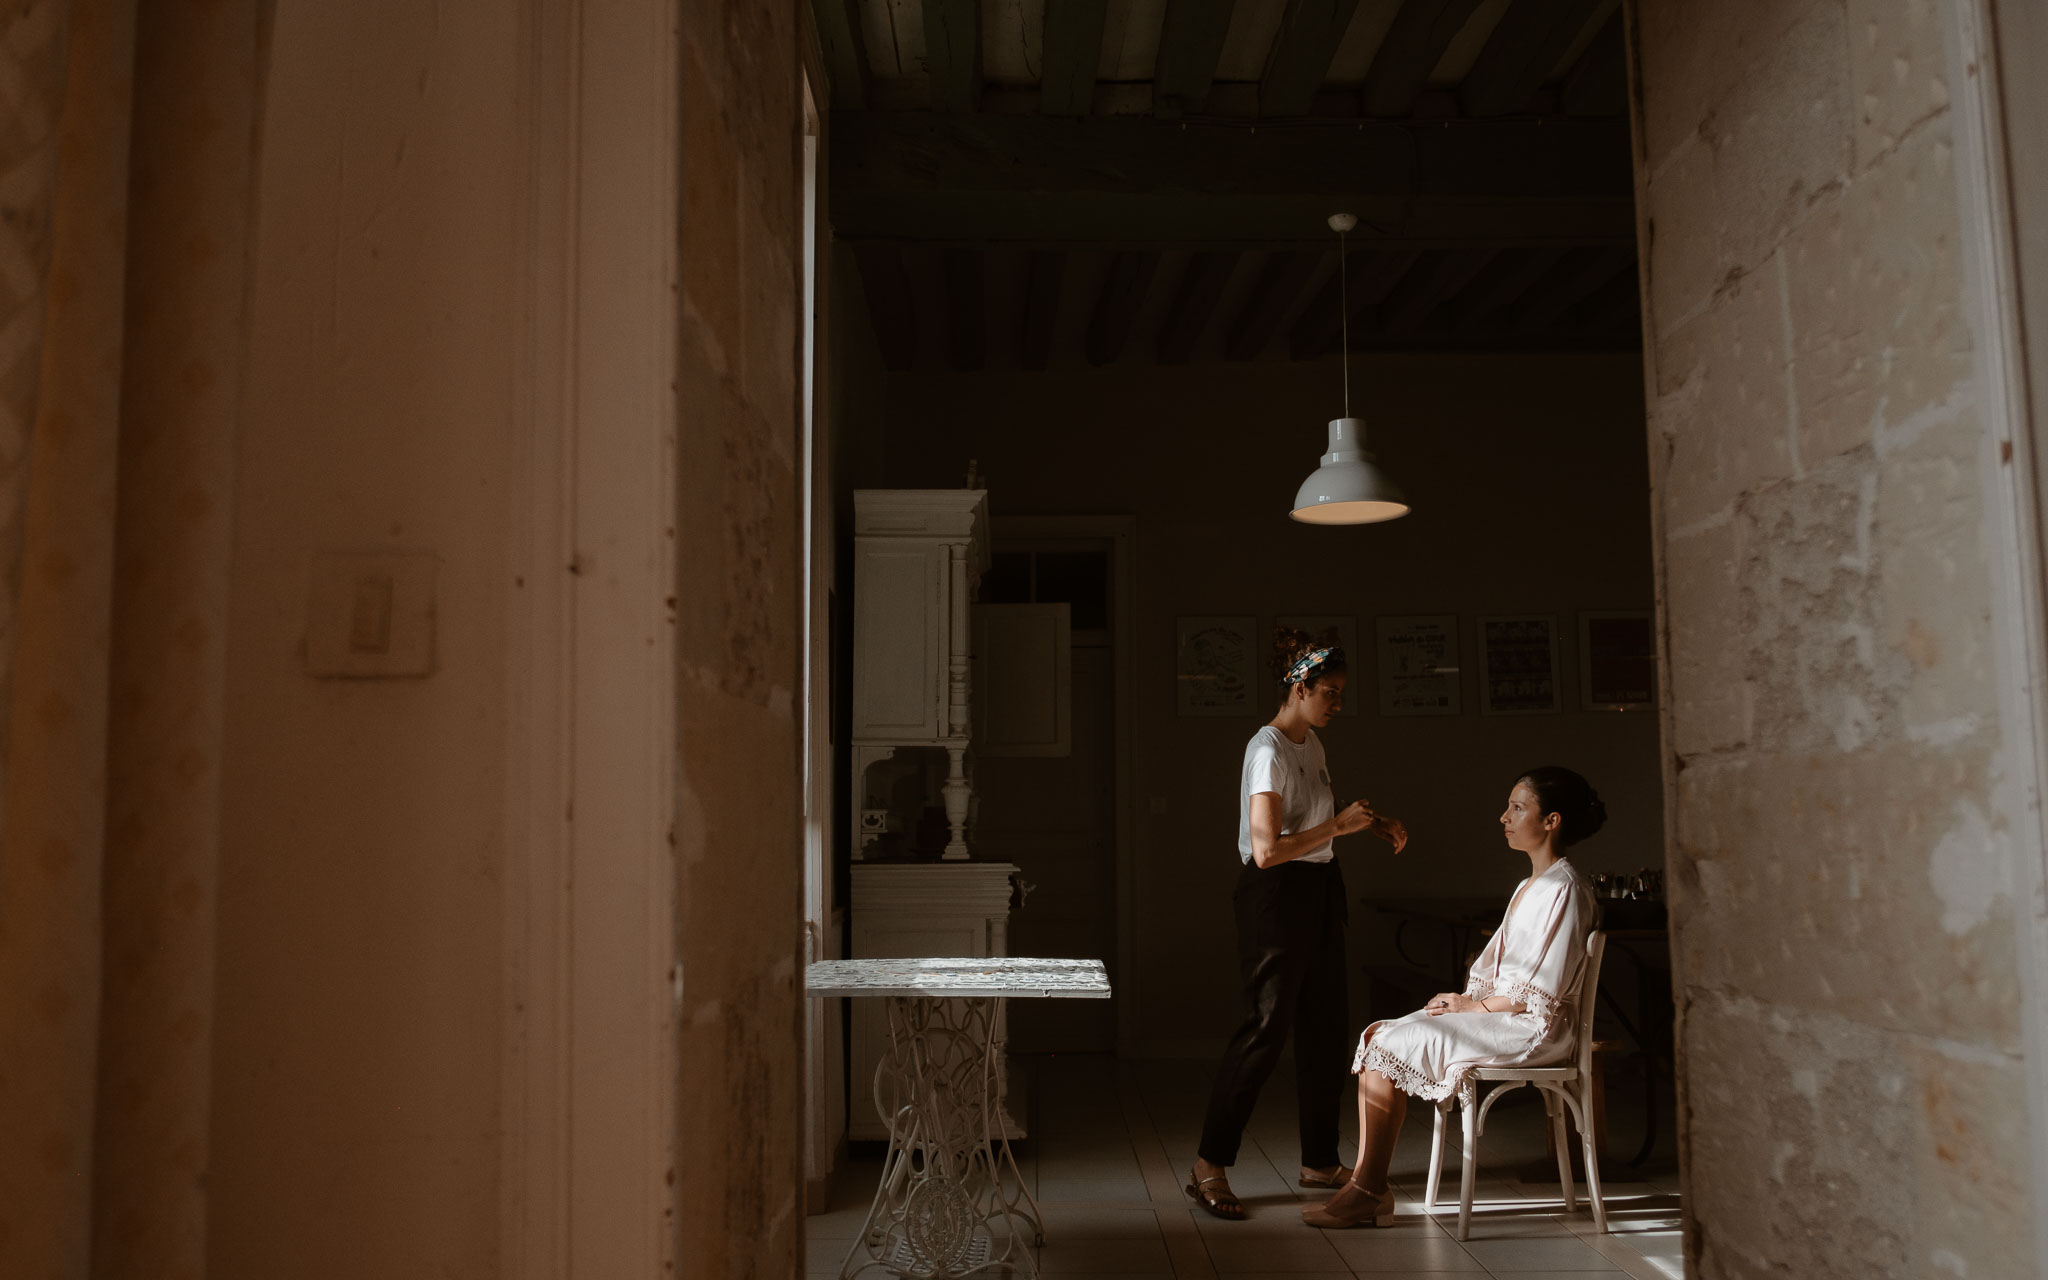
x,y
1309,664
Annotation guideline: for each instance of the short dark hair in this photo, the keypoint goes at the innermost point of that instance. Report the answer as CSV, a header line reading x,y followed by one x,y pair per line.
x,y
1565,793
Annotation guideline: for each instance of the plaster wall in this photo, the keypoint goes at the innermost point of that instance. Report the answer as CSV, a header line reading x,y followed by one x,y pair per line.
x,y
356,1086
1530,488
1853,1084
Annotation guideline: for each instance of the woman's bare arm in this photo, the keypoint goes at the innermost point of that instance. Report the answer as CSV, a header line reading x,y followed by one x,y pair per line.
x,y
1270,847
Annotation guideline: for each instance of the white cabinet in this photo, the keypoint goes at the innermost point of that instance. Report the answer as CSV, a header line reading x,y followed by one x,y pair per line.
x,y
918,556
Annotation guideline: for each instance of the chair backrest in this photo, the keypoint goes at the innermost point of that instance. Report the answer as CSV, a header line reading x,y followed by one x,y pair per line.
x,y
1589,997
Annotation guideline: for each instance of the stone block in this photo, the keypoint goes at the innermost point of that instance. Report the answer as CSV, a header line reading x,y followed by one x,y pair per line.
x,y
1781,136
1685,262
1693,53
1898,68
1870,886
1875,294
1729,433
1710,698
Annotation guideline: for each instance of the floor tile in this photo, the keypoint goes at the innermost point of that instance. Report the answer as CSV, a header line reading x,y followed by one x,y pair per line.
x,y
1272,1254
1070,1222
1494,1223
1376,1253
1538,1255
1553,1275
1118,1257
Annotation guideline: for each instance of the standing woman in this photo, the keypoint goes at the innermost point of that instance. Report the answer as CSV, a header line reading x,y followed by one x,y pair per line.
x,y
1290,928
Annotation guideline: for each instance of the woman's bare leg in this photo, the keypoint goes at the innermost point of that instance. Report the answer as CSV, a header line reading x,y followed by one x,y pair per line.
x,y
1381,1108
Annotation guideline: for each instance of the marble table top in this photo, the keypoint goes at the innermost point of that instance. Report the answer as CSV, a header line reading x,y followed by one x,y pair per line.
x,y
1014,977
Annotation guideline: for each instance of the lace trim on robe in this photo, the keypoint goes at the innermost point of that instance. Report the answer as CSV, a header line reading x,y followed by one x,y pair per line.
x,y
1534,999
1371,1057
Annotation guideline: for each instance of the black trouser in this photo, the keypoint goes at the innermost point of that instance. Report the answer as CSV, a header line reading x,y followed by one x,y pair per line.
x,y
1290,949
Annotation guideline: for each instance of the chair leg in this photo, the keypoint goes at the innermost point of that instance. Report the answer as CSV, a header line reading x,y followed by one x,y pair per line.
x,y
1555,1107
1469,1109
1436,1162
1582,1115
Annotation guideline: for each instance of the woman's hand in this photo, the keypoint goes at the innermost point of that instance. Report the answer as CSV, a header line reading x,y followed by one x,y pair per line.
x,y
1356,816
1450,1002
1391,830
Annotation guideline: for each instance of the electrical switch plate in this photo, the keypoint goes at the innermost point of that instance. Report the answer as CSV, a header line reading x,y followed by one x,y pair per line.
x,y
371,617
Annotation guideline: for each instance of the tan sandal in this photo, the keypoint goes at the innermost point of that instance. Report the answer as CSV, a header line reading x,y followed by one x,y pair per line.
x,y
1368,1209
1323,1181
1222,1203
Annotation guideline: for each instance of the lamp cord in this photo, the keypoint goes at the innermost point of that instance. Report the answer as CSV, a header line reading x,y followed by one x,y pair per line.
x,y
1344,320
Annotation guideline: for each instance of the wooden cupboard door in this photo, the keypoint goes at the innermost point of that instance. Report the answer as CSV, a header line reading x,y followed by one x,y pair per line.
x,y
899,642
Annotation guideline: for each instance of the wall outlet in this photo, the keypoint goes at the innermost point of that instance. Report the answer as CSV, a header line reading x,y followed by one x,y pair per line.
x,y
371,617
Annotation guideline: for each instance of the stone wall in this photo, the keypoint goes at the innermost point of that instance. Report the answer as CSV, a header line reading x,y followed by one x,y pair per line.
x,y
739,839
1850,1042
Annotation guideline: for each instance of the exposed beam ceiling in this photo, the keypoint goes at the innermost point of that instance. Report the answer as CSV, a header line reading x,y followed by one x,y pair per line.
x,y
1413,46
1597,85
1310,31
1201,287
1041,307
1116,308
890,304
1280,282
1190,42
952,53
964,299
846,52
1073,50
1530,39
1140,181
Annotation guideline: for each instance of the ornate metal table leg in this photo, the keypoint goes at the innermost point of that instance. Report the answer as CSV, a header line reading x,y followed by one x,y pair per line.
x,y
942,1208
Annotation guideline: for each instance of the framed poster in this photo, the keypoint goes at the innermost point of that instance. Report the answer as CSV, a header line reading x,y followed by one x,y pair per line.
x,y
1216,666
1518,665
1617,661
1419,665
1345,632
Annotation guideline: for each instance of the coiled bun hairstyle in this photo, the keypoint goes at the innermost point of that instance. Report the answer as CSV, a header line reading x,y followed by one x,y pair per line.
x,y
1292,644
1564,792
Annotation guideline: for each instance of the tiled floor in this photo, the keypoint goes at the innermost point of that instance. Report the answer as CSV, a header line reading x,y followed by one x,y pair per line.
x,y
1111,1144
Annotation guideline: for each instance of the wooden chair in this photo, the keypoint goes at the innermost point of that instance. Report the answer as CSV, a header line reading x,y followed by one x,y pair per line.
x,y
1563,1087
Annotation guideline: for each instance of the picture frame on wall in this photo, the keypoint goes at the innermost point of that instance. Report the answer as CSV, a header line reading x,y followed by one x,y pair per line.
x,y
1518,665
1346,629
1216,666
1617,661
1418,665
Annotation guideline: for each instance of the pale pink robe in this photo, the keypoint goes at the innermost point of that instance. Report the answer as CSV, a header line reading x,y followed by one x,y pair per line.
x,y
1536,957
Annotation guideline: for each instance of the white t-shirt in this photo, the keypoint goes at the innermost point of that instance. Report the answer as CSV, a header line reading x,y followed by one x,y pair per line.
x,y
1297,773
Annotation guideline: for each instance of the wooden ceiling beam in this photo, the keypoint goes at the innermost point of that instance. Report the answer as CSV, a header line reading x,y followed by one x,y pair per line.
x,y
1426,288
1280,282
891,306
1531,37
1299,60
1579,275
846,52
1597,84
1201,287
1616,303
1371,276
1190,44
965,336
1104,179
1116,307
952,54
1073,51
1041,307
1503,285
1414,44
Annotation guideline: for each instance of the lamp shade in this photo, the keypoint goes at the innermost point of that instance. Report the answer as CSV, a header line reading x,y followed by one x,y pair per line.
x,y
1347,488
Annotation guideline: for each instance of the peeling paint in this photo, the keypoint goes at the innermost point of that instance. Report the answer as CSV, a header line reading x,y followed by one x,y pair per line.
x,y
1967,870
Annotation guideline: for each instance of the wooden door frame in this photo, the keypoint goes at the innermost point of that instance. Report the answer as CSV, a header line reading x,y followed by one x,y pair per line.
x,y
1121,533
2002,187
591,965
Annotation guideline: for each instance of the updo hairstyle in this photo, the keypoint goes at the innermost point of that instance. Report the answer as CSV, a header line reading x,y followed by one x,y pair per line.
x,y
1292,644
1568,795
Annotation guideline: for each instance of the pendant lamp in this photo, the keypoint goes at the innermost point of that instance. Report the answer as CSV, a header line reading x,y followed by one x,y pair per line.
x,y
1347,488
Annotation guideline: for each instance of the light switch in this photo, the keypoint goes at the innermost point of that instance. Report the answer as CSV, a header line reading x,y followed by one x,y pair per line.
x,y
371,617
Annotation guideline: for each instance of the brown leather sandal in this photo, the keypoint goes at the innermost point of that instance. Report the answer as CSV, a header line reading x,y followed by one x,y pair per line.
x,y
1324,1182
1366,1209
1221,1203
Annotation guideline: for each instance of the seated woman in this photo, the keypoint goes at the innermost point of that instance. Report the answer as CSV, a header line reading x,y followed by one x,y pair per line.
x,y
1516,1009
